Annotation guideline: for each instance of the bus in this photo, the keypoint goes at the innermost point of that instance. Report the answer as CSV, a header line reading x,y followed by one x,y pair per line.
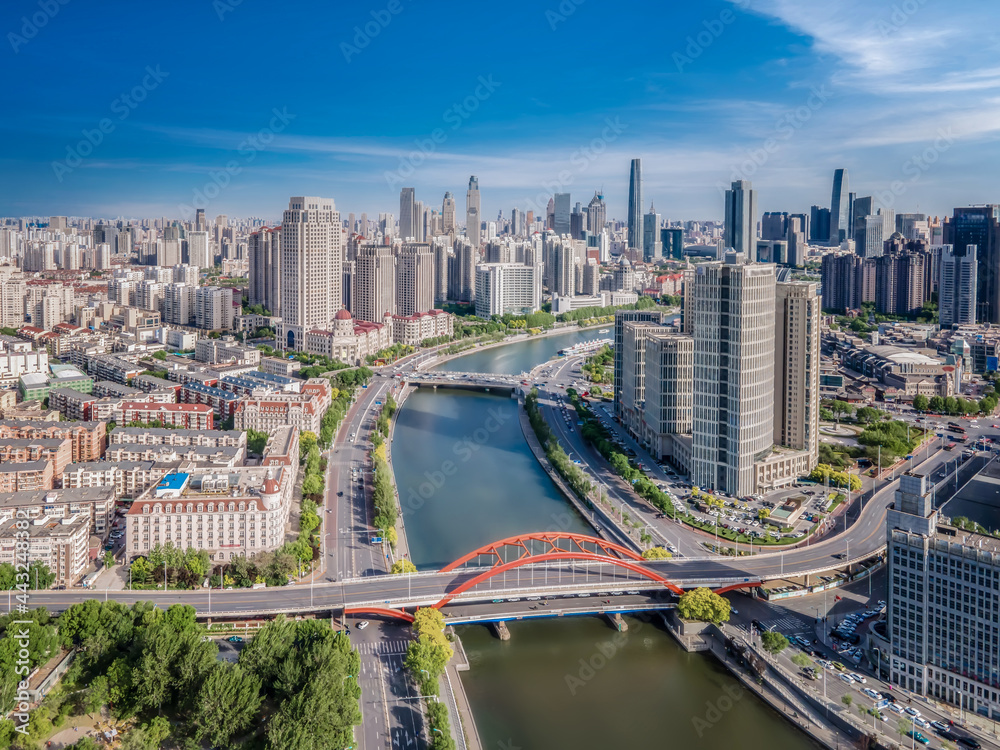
x,y
954,427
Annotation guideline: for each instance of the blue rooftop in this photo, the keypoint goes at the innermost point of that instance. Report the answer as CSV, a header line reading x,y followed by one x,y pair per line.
x,y
174,481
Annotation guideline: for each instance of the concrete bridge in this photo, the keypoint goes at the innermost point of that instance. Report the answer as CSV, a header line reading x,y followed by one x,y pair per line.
x,y
478,381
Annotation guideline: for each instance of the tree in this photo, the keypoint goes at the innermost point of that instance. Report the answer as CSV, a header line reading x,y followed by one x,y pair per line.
x,y
226,705
773,642
920,402
840,408
256,441
403,566
936,404
705,605
140,571
657,553
109,559
847,700
801,660
312,485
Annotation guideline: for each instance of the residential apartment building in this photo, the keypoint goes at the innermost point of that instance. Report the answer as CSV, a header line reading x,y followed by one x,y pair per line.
x,y
61,544
179,438
188,416
502,288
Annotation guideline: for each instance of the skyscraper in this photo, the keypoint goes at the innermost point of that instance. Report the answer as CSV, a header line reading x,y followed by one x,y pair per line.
x,y
448,214
734,318
957,287
473,217
979,226
861,209
796,367
597,214
561,214
621,318
199,250
414,279
819,224
200,224
311,268
672,239
840,208
503,288
652,246
635,205
374,283
741,218
264,251
407,215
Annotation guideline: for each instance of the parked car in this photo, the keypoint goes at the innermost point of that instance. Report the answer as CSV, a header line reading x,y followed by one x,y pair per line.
x,y
234,639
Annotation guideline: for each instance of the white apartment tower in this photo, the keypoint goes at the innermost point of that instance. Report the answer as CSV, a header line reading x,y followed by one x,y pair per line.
x,y
264,258
374,283
415,279
311,268
199,250
733,421
507,288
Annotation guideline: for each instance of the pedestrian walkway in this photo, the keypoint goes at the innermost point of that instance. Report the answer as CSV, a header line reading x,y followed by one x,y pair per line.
x,y
383,648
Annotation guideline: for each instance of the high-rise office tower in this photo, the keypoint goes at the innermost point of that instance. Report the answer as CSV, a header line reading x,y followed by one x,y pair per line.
x,y
311,268
652,246
168,252
819,224
578,223
264,259
796,367
635,205
861,209
199,252
672,239
374,283
597,214
804,224
199,220
516,222
957,287
473,212
840,208
407,215
564,269
795,240
561,214
633,374
851,197
979,226
441,255
875,235
741,218
448,214
941,582
668,388
414,279
733,426
773,225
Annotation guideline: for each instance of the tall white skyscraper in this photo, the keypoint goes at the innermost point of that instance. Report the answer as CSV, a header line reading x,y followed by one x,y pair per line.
x,y
473,212
507,288
733,425
652,245
415,279
199,250
796,367
311,268
740,232
597,214
374,283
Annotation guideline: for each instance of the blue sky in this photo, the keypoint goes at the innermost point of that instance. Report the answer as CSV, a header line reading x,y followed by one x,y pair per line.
x,y
238,104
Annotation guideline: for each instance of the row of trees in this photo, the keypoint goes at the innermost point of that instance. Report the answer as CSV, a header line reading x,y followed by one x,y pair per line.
x,y
384,495
583,313
597,366
824,474
294,685
39,576
426,659
956,405
575,477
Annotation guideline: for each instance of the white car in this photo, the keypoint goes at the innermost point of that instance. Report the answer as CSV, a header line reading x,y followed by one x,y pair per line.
x,y
858,678
871,693
912,711
896,708
363,624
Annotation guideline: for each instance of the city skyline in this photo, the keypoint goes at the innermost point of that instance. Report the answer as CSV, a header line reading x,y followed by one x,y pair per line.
x,y
727,80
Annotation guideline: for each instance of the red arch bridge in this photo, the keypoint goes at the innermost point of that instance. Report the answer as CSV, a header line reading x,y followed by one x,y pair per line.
x,y
557,562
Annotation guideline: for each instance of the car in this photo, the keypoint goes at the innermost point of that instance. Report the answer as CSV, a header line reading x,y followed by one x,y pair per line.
x,y
870,693
858,678
363,624
340,494
940,726
918,736
234,639
969,742
912,711
921,722
896,708
733,610
847,678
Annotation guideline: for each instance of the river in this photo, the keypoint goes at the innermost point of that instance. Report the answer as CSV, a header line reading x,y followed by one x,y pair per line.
x,y
466,477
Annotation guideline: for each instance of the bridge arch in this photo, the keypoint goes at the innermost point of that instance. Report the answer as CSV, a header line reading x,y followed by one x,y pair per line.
x,y
548,541
557,556
383,611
